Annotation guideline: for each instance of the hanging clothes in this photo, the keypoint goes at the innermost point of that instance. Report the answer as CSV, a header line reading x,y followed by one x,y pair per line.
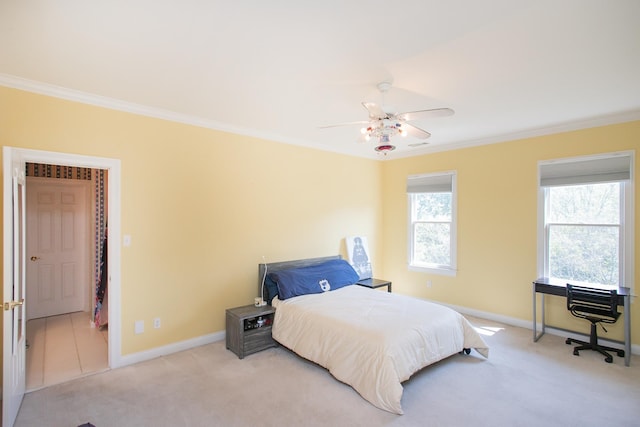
x,y
101,314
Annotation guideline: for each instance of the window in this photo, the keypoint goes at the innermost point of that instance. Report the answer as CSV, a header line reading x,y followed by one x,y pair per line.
x,y
432,222
586,222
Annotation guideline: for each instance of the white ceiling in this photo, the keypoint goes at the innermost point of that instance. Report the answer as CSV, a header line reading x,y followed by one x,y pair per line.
x,y
280,69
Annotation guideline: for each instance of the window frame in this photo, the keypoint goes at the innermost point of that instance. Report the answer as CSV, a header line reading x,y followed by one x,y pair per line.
x,y
627,218
444,270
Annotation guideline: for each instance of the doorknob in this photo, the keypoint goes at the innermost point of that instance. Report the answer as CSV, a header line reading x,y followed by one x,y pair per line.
x,y
13,304
35,258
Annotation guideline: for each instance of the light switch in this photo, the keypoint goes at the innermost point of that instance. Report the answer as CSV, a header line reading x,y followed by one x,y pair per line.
x,y
139,327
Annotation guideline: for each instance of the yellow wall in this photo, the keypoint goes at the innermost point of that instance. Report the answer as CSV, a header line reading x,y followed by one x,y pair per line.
x,y
203,207
497,222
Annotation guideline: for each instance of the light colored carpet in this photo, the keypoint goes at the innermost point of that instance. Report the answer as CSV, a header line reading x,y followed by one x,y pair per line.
x,y
521,384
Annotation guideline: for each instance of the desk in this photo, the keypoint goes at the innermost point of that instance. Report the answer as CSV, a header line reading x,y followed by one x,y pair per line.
x,y
374,283
549,287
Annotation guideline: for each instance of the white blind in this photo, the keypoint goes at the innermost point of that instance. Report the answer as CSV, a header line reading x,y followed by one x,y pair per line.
x,y
436,183
586,171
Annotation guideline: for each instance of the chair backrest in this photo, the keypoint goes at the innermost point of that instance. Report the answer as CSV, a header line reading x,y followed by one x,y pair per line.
x,y
586,302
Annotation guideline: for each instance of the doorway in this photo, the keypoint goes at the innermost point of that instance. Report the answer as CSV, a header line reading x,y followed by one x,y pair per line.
x,y
14,162
66,225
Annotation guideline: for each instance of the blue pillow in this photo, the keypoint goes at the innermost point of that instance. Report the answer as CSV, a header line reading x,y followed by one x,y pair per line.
x,y
315,279
270,289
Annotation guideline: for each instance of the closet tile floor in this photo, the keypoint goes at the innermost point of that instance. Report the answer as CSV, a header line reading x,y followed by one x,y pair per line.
x,y
62,348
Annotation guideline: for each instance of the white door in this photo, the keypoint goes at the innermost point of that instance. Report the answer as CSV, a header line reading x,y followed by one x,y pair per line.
x,y
14,319
57,247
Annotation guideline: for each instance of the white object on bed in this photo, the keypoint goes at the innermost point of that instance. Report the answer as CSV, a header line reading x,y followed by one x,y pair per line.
x,y
372,340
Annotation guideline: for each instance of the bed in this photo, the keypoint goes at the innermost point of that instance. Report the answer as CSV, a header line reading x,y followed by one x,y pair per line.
x,y
370,340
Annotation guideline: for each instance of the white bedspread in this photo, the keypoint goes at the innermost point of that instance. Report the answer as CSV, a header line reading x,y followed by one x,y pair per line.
x,y
372,340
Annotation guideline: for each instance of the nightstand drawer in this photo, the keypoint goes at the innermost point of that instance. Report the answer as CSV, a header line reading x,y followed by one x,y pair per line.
x,y
258,339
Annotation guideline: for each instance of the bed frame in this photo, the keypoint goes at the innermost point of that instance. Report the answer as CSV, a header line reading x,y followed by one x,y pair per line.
x,y
285,265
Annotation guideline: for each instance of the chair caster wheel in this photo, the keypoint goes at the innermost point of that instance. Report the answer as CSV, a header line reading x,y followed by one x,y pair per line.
x,y
576,353
620,353
467,350
568,341
608,359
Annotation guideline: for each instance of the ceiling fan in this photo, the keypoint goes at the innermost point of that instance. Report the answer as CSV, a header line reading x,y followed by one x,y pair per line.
x,y
384,124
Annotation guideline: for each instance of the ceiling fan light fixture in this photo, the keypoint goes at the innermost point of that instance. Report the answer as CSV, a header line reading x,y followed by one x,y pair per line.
x,y
385,148
383,130
385,123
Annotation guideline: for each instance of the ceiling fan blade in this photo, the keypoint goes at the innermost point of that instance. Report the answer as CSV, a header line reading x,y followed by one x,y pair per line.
x,y
425,114
359,122
375,111
415,132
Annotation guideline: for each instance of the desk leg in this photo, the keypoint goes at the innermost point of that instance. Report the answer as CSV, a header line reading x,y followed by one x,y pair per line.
x,y
535,324
542,313
627,330
537,336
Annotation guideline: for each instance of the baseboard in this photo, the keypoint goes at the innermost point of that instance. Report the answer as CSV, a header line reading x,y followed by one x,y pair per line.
x,y
153,353
527,324
142,356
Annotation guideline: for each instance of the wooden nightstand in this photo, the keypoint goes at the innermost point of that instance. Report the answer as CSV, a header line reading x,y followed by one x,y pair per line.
x,y
374,283
249,329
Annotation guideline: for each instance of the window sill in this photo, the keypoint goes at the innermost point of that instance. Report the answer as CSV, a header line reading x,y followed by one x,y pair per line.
x,y
442,271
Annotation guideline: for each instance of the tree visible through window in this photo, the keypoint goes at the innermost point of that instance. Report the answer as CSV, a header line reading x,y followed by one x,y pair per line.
x,y
584,226
432,227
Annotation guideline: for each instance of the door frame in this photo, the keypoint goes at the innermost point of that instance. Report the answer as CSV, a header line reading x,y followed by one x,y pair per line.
x,y
114,214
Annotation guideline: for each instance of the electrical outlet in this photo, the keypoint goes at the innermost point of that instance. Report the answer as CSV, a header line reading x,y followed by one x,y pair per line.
x,y
156,323
429,283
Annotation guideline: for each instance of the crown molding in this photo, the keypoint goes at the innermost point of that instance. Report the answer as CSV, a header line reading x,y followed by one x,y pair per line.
x,y
115,104
143,110
606,120
158,113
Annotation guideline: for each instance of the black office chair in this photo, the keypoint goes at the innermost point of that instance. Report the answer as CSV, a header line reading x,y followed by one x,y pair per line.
x,y
597,306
